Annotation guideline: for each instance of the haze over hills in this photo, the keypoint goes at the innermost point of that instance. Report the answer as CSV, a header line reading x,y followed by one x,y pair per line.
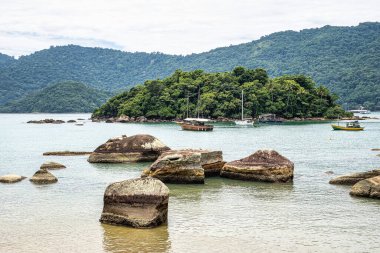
x,y
67,96
345,59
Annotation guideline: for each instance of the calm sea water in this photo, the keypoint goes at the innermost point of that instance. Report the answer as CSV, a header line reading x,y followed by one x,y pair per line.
x,y
223,215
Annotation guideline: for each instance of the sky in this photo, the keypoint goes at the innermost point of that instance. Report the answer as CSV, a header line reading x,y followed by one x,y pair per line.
x,y
168,26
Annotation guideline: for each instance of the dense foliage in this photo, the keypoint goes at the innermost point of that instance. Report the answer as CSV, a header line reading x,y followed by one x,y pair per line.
x,y
66,96
216,95
345,59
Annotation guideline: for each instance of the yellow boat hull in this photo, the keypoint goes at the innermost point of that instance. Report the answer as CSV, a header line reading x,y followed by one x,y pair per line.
x,y
336,127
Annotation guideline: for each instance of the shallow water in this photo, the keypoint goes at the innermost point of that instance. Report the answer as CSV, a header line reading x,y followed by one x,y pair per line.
x,y
223,215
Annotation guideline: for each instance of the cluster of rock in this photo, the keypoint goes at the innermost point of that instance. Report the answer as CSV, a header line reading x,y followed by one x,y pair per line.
x,y
365,184
136,148
127,119
46,121
42,176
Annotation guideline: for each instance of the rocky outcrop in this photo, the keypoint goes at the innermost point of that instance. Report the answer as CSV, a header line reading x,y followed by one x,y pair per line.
x,y
71,121
43,177
66,153
263,165
179,166
46,121
11,178
369,188
139,203
352,179
52,166
136,148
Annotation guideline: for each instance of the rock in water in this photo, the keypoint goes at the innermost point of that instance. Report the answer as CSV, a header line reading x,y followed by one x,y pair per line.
x,y
263,165
136,148
369,188
43,176
139,203
352,179
180,166
11,178
52,166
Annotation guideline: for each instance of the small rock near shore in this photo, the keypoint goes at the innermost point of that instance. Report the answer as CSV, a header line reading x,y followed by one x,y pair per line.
x,y
138,203
11,178
43,176
52,166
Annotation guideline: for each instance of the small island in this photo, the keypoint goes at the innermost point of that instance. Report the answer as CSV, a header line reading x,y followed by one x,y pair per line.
x,y
218,95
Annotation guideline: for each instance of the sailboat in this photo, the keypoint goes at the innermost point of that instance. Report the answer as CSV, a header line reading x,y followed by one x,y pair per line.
x,y
243,122
195,124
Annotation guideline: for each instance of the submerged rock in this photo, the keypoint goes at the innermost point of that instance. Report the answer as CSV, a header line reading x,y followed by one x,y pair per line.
x,y
263,165
178,166
136,148
43,176
71,121
46,121
66,153
352,179
11,178
52,166
139,203
369,188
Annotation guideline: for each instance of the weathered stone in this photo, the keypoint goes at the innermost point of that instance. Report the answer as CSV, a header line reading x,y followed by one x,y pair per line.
x,y
66,153
136,148
52,166
11,178
263,165
179,166
352,179
139,203
369,188
43,176
122,119
71,121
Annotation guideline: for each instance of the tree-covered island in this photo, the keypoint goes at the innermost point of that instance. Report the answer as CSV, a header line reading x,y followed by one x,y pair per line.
x,y
216,95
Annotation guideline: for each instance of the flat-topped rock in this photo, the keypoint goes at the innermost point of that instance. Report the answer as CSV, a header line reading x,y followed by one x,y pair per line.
x,y
263,165
52,166
369,188
43,176
11,178
46,121
66,153
136,148
139,203
352,179
180,166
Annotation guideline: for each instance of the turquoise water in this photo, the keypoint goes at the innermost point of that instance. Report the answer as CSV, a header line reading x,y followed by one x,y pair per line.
x,y
223,215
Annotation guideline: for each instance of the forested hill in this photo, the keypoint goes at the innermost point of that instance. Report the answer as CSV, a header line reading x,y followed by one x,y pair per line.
x,y
5,60
345,59
68,96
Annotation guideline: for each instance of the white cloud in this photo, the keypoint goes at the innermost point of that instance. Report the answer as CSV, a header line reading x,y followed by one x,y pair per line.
x,y
170,26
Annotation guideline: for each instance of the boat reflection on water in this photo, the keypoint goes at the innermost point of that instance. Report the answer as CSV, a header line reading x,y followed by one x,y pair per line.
x,y
119,239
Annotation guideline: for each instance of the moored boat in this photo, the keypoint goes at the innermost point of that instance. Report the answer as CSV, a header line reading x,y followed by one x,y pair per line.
x,y
243,122
350,126
195,124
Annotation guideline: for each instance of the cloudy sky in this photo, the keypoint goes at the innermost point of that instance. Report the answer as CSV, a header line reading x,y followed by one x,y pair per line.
x,y
169,26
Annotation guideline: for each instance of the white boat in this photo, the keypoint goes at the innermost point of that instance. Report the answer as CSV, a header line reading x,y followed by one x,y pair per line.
x,y
243,122
361,110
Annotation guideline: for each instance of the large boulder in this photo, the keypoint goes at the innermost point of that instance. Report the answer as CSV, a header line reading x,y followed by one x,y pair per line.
x,y
139,203
352,179
369,188
52,166
136,148
179,166
263,165
11,178
43,176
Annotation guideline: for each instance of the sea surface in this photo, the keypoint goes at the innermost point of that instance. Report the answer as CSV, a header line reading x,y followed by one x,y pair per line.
x,y
223,215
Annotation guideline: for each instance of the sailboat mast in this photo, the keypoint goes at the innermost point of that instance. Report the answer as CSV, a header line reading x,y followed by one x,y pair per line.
x,y
242,105
199,97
